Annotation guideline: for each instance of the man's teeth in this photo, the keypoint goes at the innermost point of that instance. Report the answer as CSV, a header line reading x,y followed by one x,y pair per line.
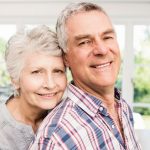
x,y
103,65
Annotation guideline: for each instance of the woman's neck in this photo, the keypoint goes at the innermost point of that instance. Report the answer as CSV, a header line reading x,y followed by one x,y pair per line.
x,y
26,114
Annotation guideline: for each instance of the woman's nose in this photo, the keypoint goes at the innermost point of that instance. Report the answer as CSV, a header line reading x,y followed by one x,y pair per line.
x,y
49,82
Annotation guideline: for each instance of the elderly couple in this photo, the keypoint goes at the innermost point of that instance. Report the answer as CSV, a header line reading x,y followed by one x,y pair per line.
x,y
92,114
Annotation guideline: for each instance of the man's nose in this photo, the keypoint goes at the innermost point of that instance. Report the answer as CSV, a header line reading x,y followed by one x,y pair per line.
x,y
100,47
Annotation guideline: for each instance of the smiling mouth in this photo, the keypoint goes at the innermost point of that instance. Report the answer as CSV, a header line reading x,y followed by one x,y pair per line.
x,y
48,95
101,66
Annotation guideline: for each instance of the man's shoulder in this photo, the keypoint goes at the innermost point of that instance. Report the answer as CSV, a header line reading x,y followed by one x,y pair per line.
x,y
55,119
125,103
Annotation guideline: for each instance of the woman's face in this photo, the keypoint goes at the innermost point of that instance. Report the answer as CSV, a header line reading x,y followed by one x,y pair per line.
x,y
42,81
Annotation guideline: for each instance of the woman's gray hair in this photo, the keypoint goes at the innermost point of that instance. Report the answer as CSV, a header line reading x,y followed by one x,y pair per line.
x,y
39,39
69,11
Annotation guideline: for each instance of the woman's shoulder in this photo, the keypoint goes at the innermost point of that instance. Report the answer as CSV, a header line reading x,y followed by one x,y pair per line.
x,y
2,107
3,113
5,116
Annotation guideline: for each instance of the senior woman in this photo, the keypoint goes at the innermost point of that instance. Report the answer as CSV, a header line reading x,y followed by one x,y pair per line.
x,y
34,62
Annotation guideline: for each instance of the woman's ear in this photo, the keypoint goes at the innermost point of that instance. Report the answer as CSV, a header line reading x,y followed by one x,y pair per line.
x,y
16,88
15,84
65,58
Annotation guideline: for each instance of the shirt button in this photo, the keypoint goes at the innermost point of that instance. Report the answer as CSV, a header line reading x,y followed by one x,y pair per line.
x,y
113,126
101,108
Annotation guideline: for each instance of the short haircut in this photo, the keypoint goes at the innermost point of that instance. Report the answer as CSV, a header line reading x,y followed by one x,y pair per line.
x,y
39,39
69,11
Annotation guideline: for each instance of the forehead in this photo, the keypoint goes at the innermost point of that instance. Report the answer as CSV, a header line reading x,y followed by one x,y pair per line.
x,y
84,22
38,59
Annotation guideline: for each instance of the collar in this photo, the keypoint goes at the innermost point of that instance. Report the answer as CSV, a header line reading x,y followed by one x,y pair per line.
x,y
87,102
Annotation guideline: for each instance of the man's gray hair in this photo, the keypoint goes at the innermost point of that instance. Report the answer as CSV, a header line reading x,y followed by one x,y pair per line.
x,y
69,11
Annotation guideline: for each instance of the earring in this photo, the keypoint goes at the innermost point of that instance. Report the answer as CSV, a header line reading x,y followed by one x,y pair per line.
x,y
16,93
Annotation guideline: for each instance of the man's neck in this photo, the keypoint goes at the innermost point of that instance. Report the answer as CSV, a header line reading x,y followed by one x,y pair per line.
x,y
105,94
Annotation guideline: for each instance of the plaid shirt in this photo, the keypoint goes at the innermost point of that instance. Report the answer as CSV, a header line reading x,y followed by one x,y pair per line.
x,y
81,122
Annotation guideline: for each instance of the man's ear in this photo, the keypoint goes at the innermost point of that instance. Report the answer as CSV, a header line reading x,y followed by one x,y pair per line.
x,y
65,58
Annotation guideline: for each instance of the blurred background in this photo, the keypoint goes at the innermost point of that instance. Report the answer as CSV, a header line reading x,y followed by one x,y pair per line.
x,y
131,19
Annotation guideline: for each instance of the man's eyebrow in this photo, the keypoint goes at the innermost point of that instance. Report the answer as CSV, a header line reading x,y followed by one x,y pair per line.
x,y
83,36
79,37
109,31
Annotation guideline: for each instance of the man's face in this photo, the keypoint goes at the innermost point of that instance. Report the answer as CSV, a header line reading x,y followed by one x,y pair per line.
x,y
92,51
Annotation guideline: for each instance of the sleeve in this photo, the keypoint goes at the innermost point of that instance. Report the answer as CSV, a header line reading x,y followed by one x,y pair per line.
x,y
129,112
131,115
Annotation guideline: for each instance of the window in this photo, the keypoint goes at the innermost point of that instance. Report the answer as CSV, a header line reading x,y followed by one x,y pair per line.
x,y
142,69
6,31
120,31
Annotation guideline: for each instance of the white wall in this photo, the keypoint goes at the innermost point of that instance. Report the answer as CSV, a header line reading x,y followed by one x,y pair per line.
x,y
46,11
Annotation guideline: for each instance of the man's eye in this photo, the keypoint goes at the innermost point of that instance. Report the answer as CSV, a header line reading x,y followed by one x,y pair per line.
x,y
108,37
36,72
85,42
59,71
